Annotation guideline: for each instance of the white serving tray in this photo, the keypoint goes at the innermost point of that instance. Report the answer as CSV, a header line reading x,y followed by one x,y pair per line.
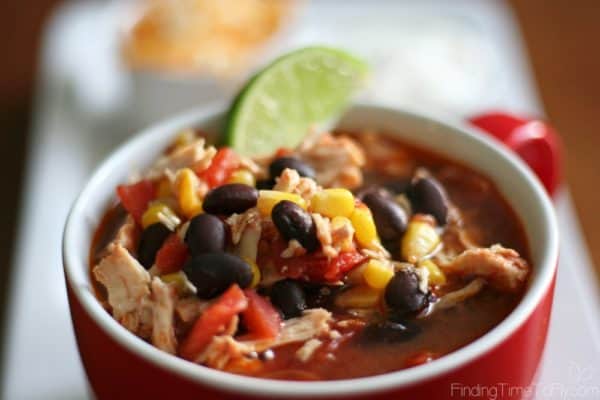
x,y
411,45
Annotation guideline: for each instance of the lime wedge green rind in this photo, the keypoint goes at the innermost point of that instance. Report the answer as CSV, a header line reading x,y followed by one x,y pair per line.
x,y
279,104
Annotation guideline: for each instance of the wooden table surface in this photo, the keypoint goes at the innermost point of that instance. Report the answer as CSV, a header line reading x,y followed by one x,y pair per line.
x,y
561,38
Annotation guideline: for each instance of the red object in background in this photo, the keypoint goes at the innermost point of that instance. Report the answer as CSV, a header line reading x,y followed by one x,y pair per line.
x,y
533,140
135,197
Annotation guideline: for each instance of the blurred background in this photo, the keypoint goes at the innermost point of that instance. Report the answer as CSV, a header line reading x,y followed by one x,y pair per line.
x,y
558,35
141,55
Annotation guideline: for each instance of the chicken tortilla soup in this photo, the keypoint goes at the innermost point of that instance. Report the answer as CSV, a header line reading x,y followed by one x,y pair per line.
x,y
351,255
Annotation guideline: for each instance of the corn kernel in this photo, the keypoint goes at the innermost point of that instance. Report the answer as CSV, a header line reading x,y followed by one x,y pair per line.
x,y
164,188
160,212
178,280
418,241
185,137
436,276
333,202
355,276
364,227
186,184
358,297
342,233
267,199
377,274
255,273
242,176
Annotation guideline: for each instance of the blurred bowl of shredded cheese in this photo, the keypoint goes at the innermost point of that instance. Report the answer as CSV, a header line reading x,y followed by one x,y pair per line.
x,y
220,38
181,53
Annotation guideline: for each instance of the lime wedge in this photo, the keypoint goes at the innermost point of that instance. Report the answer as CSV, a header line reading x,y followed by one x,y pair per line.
x,y
279,104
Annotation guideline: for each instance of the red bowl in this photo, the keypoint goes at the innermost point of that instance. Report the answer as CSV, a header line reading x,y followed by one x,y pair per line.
x,y
500,364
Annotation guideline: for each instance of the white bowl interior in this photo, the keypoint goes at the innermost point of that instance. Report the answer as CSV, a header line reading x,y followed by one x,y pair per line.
x,y
513,178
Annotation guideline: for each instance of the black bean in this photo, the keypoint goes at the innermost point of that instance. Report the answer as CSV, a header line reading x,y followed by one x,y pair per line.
x,y
213,273
398,186
368,189
230,198
151,240
205,234
279,164
390,218
402,293
429,197
319,295
389,332
289,297
295,223
265,184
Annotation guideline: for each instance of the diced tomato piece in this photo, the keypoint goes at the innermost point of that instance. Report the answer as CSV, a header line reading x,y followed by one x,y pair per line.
x,y
342,264
213,320
220,169
422,357
135,197
244,365
316,267
260,318
172,255
282,152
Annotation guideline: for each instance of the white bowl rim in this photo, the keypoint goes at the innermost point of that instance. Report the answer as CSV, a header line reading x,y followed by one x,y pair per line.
x,y
269,387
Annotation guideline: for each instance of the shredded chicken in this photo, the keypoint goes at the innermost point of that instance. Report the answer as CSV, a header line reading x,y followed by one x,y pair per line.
x,y
221,350
163,332
246,229
127,284
291,182
191,155
145,318
294,249
334,334
232,326
337,160
457,237
307,350
189,308
334,235
224,348
253,167
503,268
385,156
342,233
248,245
323,228
313,323
127,235
378,252
239,222
182,230
423,275
458,296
